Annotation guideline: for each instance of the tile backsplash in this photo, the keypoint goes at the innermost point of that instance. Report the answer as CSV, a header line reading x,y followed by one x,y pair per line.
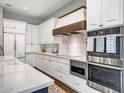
x,y
73,45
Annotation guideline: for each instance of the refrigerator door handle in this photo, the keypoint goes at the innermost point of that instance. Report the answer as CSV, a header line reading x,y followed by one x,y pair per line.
x,y
1,51
1,48
15,47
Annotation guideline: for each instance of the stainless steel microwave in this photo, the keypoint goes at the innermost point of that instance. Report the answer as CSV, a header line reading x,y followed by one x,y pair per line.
x,y
78,68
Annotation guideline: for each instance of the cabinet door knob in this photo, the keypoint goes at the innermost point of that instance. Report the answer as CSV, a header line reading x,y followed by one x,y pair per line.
x,y
101,25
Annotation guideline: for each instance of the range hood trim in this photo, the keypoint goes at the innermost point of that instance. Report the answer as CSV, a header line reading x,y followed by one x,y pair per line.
x,y
71,28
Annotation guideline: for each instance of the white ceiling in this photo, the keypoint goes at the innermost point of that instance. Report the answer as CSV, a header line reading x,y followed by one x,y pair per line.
x,y
36,8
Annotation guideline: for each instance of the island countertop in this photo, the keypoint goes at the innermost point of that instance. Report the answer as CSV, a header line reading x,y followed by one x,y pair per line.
x,y
17,77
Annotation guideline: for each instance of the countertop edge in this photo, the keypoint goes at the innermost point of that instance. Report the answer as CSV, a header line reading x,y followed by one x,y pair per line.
x,y
63,57
37,88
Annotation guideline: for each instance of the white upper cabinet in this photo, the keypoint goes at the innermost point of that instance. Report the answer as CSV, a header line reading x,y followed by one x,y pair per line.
x,y
34,34
32,43
9,24
14,26
104,13
112,11
45,31
28,35
93,14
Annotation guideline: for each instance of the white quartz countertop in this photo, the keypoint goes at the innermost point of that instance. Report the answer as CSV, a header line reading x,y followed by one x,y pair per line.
x,y
7,58
17,77
78,58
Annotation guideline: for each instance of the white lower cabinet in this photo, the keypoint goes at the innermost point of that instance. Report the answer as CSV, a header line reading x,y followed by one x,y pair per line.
x,y
22,59
60,69
78,84
38,62
30,59
91,90
42,63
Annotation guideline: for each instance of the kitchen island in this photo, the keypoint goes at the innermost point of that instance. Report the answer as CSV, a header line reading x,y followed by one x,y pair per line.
x,y
17,77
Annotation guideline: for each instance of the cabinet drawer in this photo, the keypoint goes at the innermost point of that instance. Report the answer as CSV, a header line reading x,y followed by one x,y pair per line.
x,y
78,83
63,69
46,57
63,78
40,56
60,60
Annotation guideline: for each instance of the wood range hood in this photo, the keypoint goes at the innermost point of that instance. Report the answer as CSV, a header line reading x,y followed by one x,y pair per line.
x,y
71,23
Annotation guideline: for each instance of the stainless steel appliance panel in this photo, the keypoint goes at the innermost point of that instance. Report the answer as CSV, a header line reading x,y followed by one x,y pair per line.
x,y
78,68
105,78
106,46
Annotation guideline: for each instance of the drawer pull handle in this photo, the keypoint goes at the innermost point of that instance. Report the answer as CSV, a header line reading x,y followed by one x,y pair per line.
x,y
111,20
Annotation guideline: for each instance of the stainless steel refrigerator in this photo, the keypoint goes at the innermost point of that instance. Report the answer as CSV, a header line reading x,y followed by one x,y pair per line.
x,y
14,45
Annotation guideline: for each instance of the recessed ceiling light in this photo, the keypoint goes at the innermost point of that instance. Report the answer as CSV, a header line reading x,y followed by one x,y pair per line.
x,y
25,8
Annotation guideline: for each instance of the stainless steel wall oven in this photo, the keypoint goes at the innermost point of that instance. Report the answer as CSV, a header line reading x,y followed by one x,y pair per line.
x,y
105,59
105,79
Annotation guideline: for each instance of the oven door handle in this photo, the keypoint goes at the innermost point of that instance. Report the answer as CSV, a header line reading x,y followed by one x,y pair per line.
x,y
106,66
